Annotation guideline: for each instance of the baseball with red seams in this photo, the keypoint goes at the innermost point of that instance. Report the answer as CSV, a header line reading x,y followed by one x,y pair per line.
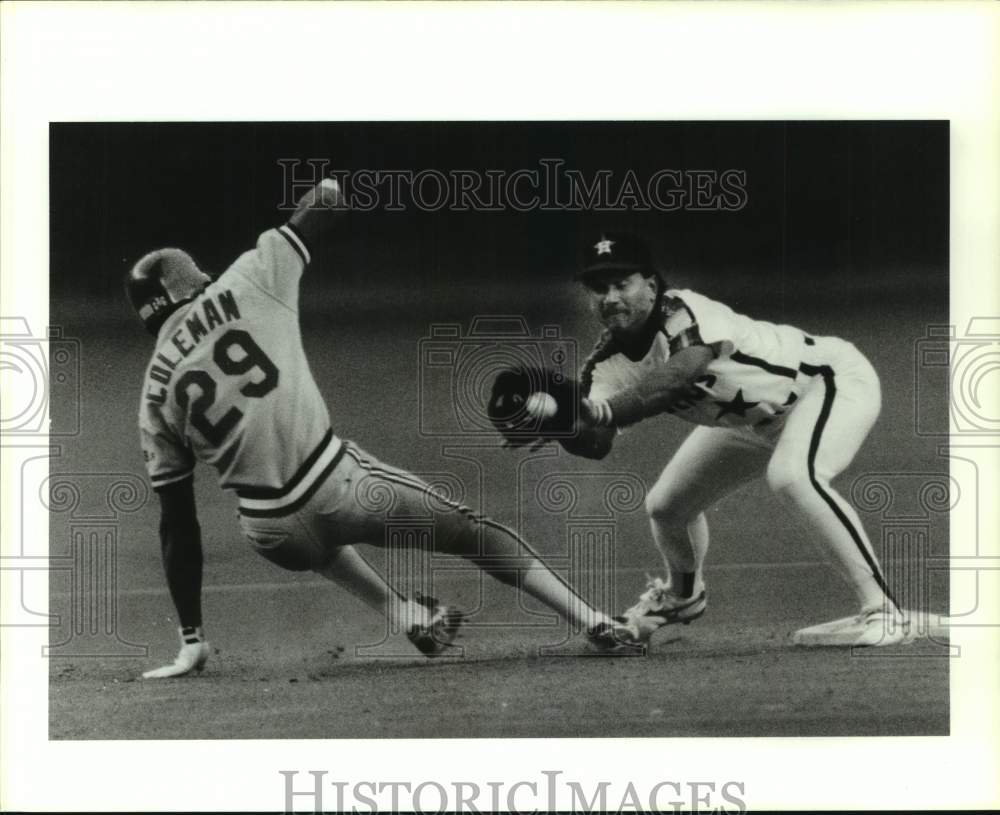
x,y
541,405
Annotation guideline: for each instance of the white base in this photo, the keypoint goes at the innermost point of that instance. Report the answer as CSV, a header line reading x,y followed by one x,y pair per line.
x,y
878,631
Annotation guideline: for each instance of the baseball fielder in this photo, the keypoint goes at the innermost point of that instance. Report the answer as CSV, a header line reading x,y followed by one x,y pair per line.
x,y
228,384
767,400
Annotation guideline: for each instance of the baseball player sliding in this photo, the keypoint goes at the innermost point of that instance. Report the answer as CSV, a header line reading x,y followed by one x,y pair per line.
x,y
228,384
768,400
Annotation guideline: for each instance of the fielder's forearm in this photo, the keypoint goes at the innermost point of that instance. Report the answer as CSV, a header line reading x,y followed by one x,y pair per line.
x,y
652,396
589,442
656,392
182,563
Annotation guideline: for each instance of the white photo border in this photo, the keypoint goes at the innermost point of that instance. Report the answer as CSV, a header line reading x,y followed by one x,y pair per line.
x,y
520,61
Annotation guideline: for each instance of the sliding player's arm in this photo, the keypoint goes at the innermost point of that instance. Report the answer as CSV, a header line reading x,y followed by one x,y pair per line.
x,y
276,264
180,546
316,211
170,466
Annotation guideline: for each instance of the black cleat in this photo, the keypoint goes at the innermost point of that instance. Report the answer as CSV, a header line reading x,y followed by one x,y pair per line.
x,y
434,639
614,639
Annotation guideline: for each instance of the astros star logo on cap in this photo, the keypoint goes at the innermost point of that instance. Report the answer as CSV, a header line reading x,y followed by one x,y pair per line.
x,y
603,246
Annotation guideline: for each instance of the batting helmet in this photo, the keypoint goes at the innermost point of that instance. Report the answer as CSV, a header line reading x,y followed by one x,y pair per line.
x,y
161,282
615,252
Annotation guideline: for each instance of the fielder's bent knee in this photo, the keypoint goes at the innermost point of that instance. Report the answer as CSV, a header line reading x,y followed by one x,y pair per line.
x,y
658,506
652,503
666,513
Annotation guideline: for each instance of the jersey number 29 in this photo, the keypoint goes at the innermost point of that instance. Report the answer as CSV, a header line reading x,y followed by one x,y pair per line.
x,y
252,357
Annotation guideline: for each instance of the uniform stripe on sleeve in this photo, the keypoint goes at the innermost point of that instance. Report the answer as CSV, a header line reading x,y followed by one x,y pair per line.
x,y
163,479
687,338
679,335
672,303
295,239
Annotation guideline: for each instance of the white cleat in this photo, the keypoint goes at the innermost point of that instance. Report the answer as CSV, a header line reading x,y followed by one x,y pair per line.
x,y
659,606
874,628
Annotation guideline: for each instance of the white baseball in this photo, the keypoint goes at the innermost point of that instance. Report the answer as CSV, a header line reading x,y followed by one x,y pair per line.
x,y
541,405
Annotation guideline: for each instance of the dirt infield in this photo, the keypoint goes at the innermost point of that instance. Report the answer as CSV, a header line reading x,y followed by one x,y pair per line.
x,y
287,664
288,668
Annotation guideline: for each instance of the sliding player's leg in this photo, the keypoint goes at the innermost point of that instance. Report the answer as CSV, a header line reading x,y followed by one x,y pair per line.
x,y
493,547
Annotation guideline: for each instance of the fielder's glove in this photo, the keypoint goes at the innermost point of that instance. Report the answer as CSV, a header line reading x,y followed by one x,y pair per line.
x,y
508,406
192,657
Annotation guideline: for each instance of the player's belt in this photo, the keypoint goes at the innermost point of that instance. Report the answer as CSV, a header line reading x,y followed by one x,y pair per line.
x,y
274,502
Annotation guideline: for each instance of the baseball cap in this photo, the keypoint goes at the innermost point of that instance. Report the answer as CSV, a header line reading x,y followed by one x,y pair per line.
x,y
615,252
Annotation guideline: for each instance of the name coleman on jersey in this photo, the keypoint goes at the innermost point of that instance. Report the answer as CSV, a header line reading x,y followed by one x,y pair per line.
x,y
202,317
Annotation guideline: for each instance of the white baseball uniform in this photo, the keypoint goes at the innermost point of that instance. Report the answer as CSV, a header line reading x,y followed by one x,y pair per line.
x,y
229,385
772,402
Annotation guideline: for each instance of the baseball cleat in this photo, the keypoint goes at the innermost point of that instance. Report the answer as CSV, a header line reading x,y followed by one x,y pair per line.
x,y
615,639
874,628
434,638
659,606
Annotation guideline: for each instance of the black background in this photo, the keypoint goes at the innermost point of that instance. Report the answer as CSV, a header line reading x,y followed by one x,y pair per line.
x,y
847,210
